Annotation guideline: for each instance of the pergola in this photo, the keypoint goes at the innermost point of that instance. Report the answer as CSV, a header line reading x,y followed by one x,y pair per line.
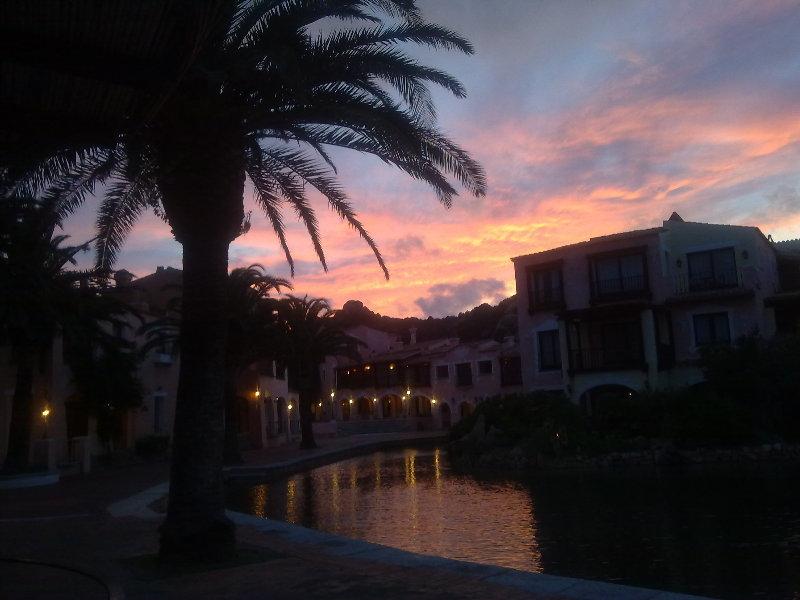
x,y
75,73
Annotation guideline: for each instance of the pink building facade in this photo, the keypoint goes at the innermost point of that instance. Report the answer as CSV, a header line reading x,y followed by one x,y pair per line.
x,y
417,385
632,310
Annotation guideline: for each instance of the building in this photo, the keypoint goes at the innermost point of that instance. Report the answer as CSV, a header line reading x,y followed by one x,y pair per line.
x,y
432,384
266,412
630,311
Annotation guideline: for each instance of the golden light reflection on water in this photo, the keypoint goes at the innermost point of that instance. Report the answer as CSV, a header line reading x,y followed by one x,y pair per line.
x,y
292,514
258,500
415,504
411,476
411,500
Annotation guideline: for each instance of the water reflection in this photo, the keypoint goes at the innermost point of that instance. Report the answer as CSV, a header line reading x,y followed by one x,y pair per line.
x,y
407,500
730,535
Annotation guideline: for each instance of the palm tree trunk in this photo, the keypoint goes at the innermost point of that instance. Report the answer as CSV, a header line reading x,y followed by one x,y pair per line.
x,y
196,526
307,440
21,414
232,454
308,371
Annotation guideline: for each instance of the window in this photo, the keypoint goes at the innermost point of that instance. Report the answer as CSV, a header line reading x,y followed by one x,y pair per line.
x,y
545,287
712,269
510,370
464,374
712,328
549,351
442,372
158,409
618,275
484,367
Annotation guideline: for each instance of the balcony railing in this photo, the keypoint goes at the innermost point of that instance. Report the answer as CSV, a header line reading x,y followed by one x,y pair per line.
x,y
619,287
707,282
603,359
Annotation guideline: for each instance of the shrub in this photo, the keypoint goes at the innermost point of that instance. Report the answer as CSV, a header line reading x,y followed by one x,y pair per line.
x,y
153,446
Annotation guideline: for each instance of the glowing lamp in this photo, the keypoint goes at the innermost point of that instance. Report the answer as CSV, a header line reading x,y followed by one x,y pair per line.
x,y
433,400
45,413
289,407
350,401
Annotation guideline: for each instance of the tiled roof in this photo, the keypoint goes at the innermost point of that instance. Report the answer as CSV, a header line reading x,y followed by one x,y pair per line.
x,y
636,233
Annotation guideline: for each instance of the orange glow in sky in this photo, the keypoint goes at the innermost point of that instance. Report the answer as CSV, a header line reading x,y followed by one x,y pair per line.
x,y
590,118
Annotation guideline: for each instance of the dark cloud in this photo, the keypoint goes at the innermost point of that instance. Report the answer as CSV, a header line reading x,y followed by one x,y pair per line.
x,y
451,298
412,244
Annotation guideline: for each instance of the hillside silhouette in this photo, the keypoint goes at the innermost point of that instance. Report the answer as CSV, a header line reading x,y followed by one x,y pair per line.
x,y
482,322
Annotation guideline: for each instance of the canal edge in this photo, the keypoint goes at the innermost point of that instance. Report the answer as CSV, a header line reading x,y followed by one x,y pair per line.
x,y
568,588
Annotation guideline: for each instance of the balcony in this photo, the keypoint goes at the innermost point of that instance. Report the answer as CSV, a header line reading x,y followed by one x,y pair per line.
x,y
619,288
606,359
708,281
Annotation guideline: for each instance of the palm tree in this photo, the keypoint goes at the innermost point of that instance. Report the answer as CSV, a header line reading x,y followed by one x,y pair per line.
x,y
40,299
251,334
310,333
272,88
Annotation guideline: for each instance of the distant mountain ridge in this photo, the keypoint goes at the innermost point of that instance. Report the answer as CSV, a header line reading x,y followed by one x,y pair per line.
x,y
482,322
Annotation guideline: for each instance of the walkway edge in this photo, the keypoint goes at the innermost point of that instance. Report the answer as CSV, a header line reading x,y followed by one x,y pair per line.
x,y
568,588
138,505
290,467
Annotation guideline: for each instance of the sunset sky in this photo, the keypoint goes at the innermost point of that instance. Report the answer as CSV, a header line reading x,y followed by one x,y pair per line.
x,y
590,117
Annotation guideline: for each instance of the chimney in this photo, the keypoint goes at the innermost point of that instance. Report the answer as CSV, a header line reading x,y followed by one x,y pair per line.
x,y
412,335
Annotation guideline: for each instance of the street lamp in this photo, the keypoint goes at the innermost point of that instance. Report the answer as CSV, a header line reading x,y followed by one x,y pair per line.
x,y
45,415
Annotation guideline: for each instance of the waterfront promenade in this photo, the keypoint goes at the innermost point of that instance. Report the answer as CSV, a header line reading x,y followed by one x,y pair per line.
x,y
104,525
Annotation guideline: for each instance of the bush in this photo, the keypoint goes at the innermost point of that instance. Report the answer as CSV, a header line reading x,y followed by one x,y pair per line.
x,y
540,421
153,446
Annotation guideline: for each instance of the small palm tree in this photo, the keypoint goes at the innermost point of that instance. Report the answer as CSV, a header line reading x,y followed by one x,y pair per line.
x,y
251,334
273,87
310,333
39,299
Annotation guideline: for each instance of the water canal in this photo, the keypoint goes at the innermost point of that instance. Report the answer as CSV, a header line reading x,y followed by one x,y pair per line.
x,y
728,533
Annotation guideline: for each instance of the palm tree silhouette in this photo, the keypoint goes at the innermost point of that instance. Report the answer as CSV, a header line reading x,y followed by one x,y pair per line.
x,y
273,87
40,299
309,334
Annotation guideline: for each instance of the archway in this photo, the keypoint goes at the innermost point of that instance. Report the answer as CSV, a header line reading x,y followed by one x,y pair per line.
x,y
345,404
281,415
465,409
269,409
446,416
392,407
364,408
421,406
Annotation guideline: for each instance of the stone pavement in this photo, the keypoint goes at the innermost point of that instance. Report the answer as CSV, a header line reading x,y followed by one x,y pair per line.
x,y
67,524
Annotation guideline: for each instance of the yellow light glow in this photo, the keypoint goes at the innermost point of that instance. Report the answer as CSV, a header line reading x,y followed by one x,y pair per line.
x,y
433,400
408,392
374,399
333,394
320,404
289,407
351,400
258,393
367,368
46,412
391,367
